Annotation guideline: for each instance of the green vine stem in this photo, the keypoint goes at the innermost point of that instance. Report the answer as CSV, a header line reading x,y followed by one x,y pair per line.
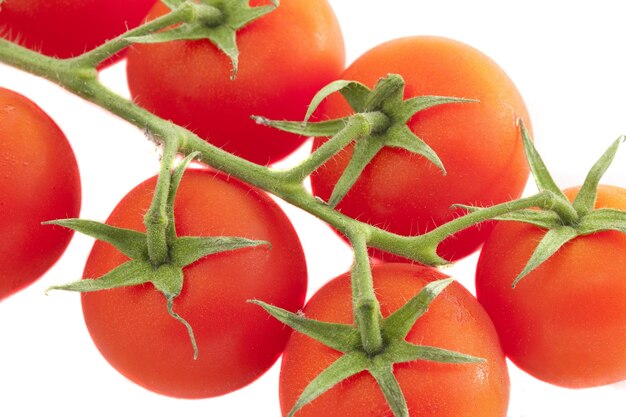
x,y
86,85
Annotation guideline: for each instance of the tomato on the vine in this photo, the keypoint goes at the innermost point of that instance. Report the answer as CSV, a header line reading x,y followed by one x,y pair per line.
x,y
236,341
478,143
454,321
285,57
564,322
39,181
67,28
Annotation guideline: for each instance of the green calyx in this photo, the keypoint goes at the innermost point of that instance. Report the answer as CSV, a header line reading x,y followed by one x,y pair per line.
x,y
215,20
165,273
380,120
355,358
564,220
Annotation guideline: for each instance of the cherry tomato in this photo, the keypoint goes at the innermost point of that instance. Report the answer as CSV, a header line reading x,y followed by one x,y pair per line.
x,y
67,28
565,322
454,321
39,181
285,57
236,340
478,143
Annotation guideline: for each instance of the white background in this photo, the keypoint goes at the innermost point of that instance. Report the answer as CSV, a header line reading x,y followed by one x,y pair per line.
x,y
567,60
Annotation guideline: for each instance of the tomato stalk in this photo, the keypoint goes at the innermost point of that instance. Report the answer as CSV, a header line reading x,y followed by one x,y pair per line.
x,y
367,315
160,232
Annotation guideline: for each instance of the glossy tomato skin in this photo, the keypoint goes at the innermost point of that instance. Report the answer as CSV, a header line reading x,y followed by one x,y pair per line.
x,y
237,341
454,321
285,57
565,322
39,181
67,28
478,143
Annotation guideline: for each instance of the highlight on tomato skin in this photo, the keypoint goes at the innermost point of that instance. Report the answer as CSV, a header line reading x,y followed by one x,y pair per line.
x,y
565,322
67,28
454,321
237,342
39,181
478,143
285,57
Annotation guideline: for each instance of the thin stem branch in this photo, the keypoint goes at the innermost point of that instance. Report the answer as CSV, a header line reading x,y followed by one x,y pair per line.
x,y
367,315
185,13
156,219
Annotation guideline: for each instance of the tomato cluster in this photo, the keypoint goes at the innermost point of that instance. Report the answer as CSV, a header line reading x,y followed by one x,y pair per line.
x,y
561,324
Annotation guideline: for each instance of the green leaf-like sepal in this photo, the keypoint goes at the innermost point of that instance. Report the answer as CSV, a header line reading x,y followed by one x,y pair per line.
x,y
130,242
364,152
548,246
128,274
399,323
188,249
586,197
540,172
354,92
341,337
343,368
407,352
169,280
417,104
402,137
601,220
216,21
391,390
317,129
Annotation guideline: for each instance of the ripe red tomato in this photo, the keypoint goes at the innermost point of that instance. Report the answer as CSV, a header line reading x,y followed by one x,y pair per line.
x,y
454,321
67,28
565,322
478,143
39,181
236,340
285,57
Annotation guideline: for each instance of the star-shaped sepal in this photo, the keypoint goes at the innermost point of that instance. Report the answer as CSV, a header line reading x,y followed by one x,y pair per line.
x,y
564,221
379,120
347,339
166,277
215,20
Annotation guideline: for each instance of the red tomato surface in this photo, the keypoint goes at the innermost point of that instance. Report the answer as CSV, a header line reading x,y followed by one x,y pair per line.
x,y
237,341
285,57
565,322
39,181
478,143
67,28
454,321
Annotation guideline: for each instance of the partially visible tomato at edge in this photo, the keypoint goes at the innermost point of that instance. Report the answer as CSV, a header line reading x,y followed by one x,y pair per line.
x,y
237,341
39,181
478,143
285,57
67,28
565,322
454,321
